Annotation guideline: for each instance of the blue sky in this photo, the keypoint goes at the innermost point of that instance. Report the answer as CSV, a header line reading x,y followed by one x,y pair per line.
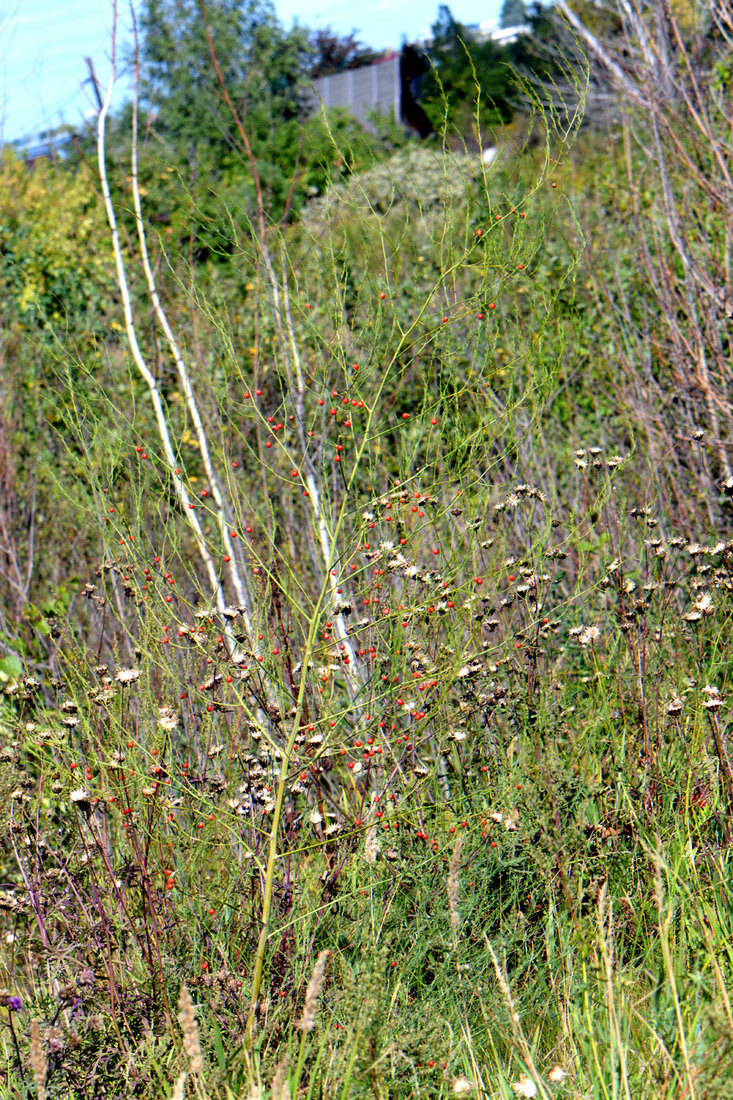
x,y
43,44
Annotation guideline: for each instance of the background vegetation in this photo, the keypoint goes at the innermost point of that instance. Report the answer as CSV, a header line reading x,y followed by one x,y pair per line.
x,y
366,565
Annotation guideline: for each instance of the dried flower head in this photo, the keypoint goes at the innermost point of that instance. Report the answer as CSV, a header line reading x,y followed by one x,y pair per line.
x,y
525,1086
55,1040
713,699
167,718
127,675
589,635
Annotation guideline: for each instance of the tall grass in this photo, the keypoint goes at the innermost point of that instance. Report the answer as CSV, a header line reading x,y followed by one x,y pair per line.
x,y
383,746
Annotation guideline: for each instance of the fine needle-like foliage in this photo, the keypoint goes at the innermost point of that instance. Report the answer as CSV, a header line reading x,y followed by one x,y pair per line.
x,y
364,726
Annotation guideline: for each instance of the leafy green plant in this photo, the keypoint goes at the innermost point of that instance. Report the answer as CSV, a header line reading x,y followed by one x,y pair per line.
x,y
378,739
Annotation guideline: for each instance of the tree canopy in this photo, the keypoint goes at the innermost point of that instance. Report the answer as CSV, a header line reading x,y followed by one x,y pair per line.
x,y
465,70
513,14
261,64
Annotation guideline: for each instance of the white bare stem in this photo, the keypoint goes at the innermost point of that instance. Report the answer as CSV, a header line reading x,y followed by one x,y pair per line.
x,y
220,512
142,366
599,51
286,331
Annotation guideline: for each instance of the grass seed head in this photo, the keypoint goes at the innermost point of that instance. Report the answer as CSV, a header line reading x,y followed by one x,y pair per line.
x,y
189,1027
38,1061
453,883
308,1019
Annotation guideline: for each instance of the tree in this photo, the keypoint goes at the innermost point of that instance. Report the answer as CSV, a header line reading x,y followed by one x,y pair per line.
x,y
190,52
194,55
262,65
668,65
513,14
332,53
463,70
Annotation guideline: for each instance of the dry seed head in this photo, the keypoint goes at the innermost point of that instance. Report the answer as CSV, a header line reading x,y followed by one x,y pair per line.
x,y
167,718
588,635
55,1040
179,1089
658,883
38,1061
308,1019
280,1087
713,699
504,987
453,883
371,845
525,1086
127,675
462,1086
187,1020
